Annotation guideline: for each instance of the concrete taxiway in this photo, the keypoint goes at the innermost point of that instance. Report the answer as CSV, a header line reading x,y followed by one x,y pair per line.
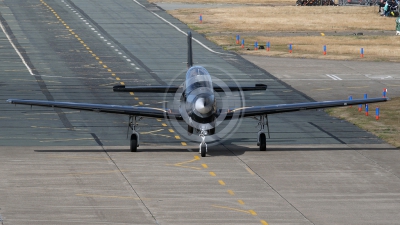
x,y
63,167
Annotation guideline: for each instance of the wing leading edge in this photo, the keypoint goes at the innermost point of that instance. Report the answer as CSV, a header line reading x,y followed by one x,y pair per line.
x,y
165,113
282,108
115,109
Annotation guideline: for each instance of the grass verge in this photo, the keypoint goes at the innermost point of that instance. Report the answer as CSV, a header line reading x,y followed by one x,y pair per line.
x,y
386,128
308,29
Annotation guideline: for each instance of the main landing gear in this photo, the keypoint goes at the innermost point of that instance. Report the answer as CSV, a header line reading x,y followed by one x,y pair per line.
x,y
133,124
261,140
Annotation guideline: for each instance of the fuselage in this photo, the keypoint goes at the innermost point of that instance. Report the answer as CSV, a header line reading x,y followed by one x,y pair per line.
x,y
198,99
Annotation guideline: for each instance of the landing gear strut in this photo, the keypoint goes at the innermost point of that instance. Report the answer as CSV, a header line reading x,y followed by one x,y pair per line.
x,y
133,124
261,141
203,144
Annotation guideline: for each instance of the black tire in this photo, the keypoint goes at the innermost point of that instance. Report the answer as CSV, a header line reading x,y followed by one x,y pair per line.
x,y
203,150
133,143
263,142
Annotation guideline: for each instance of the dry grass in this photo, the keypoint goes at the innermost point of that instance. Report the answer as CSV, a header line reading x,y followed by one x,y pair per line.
x,y
376,48
274,24
386,128
247,2
285,18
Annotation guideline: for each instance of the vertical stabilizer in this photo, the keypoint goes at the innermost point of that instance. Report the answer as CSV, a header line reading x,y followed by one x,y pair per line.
x,y
189,53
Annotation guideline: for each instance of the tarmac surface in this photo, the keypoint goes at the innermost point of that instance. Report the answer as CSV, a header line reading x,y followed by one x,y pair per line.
x,y
64,166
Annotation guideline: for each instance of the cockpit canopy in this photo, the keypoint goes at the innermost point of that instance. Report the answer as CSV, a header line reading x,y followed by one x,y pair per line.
x,y
196,77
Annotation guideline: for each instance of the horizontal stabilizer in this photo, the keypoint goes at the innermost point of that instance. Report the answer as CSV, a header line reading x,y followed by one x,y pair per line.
x,y
174,89
154,89
257,87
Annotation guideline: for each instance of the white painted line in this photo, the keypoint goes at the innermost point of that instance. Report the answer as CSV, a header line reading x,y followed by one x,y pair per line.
x,y
108,43
128,60
203,45
15,48
101,37
336,77
92,28
120,53
116,50
105,40
124,56
137,68
112,46
132,64
333,77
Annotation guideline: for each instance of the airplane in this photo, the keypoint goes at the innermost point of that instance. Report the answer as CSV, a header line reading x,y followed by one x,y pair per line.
x,y
198,106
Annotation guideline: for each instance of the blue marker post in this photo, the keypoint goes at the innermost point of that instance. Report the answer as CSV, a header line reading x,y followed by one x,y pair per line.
x,y
366,109
290,48
242,43
384,92
324,49
256,45
377,113
201,18
362,52
268,46
237,39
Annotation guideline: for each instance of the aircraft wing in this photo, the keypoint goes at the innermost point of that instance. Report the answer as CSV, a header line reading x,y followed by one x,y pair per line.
x,y
116,109
281,108
174,89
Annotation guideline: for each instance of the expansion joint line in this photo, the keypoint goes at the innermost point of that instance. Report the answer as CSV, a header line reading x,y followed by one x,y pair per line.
x,y
122,174
266,182
370,159
129,183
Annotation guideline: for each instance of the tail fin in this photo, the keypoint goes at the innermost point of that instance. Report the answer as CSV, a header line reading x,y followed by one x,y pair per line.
x,y
190,53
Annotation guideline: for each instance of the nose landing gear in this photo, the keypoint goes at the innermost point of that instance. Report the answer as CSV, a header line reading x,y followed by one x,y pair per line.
x,y
203,144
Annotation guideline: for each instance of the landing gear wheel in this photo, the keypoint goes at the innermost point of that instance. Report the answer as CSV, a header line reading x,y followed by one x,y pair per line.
x,y
203,150
263,142
133,143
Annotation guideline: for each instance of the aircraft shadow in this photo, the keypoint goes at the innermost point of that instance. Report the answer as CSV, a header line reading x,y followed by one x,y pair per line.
x,y
226,148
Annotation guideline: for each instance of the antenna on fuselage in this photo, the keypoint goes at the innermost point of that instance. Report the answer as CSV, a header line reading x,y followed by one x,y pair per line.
x,y
189,53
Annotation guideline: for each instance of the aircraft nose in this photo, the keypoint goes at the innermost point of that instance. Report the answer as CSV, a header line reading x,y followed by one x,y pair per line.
x,y
201,106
